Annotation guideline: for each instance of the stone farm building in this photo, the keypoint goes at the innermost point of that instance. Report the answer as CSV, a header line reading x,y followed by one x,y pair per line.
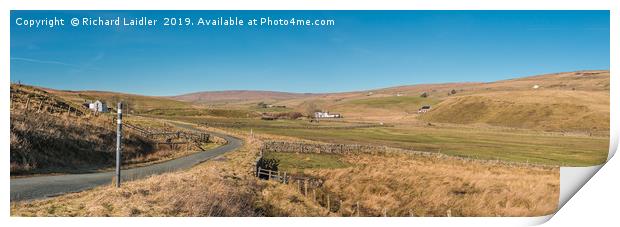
x,y
325,114
98,106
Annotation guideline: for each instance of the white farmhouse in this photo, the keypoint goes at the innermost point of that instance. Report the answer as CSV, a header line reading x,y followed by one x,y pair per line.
x,y
325,114
98,106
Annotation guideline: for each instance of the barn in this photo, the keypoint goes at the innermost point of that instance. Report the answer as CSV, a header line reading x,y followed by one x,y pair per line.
x,y
424,109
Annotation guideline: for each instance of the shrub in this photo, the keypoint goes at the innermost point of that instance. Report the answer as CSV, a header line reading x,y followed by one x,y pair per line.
x,y
269,163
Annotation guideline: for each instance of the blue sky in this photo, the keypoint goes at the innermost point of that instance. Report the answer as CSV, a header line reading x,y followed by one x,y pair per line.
x,y
363,50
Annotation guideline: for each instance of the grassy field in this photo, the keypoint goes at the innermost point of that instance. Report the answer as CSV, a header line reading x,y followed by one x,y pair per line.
x,y
482,142
409,104
258,123
466,142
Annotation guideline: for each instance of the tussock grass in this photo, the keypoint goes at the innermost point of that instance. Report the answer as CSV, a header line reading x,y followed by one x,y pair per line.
x,y
281,200
201,192
406,185
41,143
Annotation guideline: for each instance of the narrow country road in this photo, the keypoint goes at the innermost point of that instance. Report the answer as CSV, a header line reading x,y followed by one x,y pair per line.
x,y
44,186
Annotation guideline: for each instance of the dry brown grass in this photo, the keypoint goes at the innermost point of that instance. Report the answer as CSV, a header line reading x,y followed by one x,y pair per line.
x,y
56,143
43,142
280,200
404,185
201,192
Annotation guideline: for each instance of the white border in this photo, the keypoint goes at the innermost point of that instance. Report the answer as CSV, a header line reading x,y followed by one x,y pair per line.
x,y
589,191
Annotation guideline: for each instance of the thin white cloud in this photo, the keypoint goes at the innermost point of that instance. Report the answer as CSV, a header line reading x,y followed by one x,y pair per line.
x,y
74,68
31,60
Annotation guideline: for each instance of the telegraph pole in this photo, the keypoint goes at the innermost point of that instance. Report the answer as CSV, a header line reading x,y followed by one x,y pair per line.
x,y
119,133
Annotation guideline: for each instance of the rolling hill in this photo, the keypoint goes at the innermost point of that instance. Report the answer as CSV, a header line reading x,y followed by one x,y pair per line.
x,y
239,95
576,101
569,101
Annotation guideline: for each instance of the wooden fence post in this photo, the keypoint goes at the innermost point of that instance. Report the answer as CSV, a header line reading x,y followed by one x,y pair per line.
x,y
357,208
384,212
328,205
449,213
306,187
314,194
28,103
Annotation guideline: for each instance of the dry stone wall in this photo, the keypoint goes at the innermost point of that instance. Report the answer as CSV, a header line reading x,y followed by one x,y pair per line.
x,y
300,147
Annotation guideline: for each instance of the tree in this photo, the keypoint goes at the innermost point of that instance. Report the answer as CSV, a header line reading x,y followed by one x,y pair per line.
x,y
424,95
311,109
453,92
294,115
